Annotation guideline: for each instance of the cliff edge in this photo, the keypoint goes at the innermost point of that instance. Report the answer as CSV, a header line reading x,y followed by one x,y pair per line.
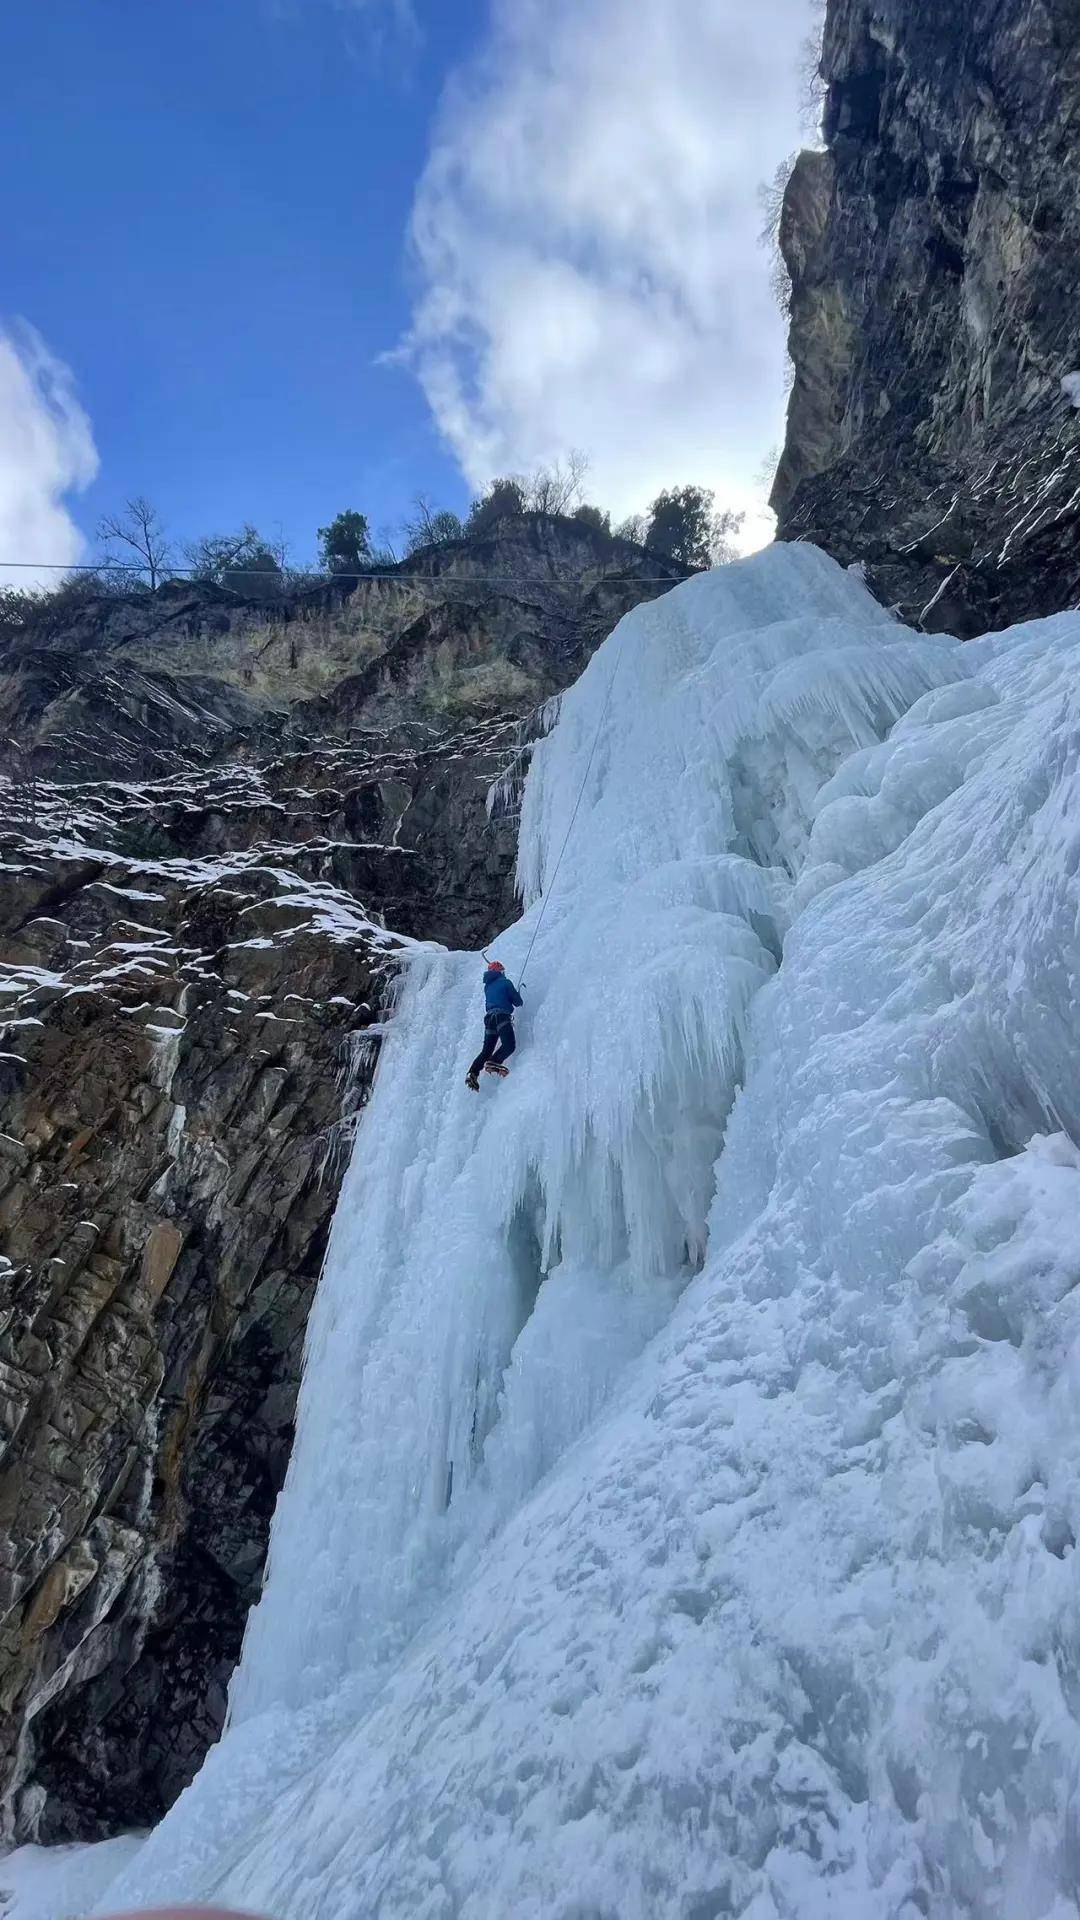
x,y
933,431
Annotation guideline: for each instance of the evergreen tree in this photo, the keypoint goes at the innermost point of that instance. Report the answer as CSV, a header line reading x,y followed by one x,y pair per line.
x,y
345,545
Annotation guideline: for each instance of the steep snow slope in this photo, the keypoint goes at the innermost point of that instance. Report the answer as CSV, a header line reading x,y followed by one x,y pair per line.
x,y
682,1518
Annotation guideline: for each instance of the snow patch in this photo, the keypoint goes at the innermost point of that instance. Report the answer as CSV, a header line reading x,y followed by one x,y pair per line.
x,y
61,1883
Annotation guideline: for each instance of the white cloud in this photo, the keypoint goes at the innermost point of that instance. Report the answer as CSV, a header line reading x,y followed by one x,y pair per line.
x,y
586,235
46,451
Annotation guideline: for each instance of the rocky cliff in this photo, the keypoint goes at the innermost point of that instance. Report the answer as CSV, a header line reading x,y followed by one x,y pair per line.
x,y
220,826
933,248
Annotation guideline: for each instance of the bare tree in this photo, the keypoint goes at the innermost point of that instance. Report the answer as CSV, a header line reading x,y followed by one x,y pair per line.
x,y
771,201
216,553
243,563
384,554
766,472
557,489
417,532
723,543
812,83
139,528
281,547
431,526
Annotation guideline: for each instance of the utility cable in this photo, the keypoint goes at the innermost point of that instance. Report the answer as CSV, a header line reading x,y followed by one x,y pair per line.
x,y
394,573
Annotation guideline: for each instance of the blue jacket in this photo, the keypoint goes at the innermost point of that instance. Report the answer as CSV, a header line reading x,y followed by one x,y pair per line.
x,y
500,994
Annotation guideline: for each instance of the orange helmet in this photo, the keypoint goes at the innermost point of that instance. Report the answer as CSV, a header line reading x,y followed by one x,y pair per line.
x,y
496,966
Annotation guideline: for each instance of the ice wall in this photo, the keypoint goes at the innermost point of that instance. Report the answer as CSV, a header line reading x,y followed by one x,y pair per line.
x,y
683,1510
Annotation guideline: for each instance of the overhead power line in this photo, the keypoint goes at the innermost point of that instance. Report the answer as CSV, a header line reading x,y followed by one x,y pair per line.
x,y
375,573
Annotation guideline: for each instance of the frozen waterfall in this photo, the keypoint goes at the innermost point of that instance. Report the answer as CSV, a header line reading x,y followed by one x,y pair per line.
x,y
682,1516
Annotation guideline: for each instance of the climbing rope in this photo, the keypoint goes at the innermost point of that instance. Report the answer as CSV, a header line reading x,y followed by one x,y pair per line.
x,y
549,890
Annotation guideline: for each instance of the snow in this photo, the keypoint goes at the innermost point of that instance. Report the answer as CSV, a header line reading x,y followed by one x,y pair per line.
x,y
683,1512
126,893
1070,387
58,1883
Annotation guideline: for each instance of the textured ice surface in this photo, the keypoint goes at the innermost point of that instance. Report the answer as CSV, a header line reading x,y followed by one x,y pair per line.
x,y
682,1519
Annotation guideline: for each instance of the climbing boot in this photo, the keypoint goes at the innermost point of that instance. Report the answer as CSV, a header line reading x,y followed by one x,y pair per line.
x,y
490,1067
472,1081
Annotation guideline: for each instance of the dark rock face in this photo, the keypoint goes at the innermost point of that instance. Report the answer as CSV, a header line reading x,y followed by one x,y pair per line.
x,y
932,250
208,880
172,1085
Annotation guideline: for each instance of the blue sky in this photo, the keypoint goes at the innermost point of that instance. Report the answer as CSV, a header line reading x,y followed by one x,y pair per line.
x,y
207,199
285,256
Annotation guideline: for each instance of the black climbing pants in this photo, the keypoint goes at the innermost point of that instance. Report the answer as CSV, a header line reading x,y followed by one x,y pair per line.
x,y
499,1041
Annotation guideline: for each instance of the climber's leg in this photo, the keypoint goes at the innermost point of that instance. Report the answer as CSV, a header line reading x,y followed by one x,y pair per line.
x,y
505,1042
491,1041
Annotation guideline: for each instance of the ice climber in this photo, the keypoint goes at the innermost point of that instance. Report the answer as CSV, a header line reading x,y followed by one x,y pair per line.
x,y
500,998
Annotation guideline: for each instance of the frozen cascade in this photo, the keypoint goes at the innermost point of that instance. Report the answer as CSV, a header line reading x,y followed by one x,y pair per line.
x,y
683,1510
